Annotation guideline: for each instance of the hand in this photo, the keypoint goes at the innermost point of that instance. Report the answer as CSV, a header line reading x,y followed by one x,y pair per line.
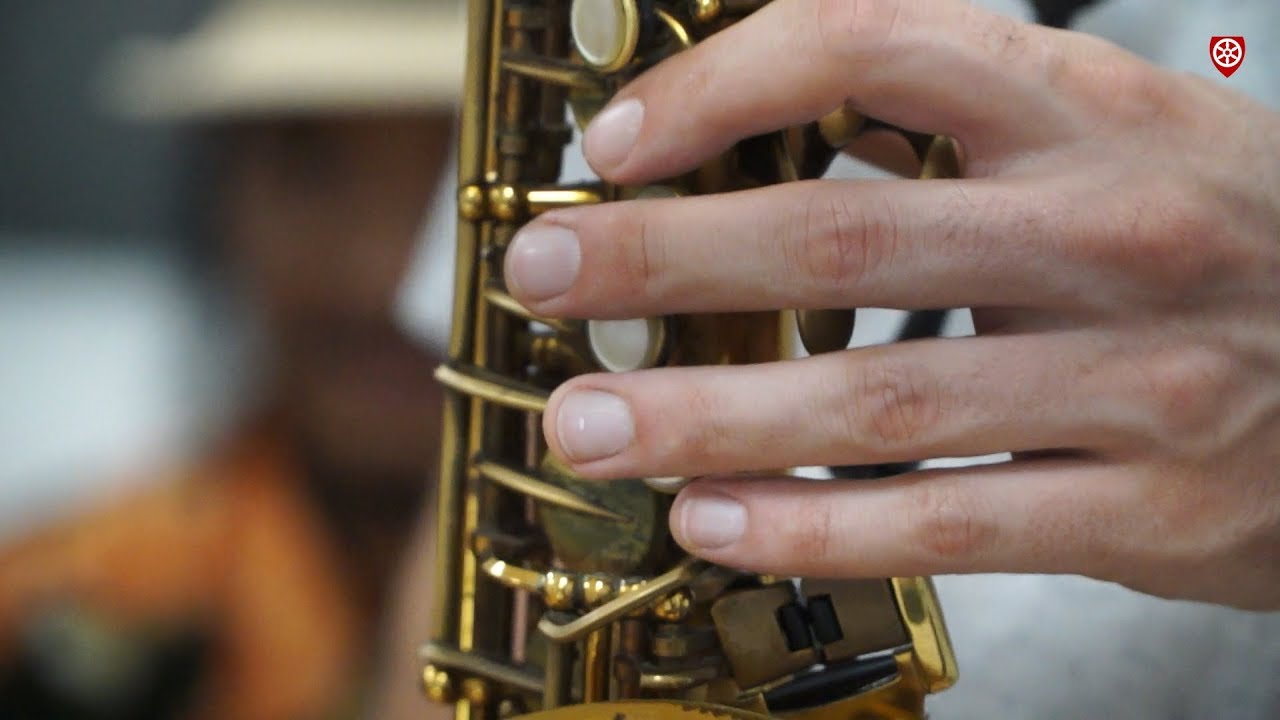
x,y
1117,234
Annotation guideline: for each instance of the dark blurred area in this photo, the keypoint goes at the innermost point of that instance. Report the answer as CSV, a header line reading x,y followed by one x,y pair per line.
x,y
218,432
1059,13
123,186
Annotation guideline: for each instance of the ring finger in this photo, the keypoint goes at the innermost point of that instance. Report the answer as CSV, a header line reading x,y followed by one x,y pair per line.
x,y
893,403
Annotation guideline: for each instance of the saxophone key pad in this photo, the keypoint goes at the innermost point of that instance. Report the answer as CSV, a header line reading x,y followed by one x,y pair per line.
x,y
625,345
667,485
606,33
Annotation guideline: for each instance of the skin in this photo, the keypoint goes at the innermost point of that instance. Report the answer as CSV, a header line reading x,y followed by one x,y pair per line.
x,y
1116,234
322,215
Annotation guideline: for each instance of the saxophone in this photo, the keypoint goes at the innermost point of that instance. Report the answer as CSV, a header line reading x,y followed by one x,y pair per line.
x,y
566,598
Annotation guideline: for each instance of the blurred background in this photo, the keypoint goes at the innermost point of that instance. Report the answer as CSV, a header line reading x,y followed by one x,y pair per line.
x,y
101,347
163,310
218,427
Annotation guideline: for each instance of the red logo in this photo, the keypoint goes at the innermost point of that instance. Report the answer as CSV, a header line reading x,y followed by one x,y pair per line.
x,y
1227,53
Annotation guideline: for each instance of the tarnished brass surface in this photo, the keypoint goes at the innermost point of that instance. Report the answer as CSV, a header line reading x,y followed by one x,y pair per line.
x,y
596,664
942,160
752,640
497,296
541,490
496,389
647,710
592,544
675,681
630,599
444,665
552,70
824,331
867,614
553,591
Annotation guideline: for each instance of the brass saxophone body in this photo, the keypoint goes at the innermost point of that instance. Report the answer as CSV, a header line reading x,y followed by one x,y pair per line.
x,y
555,595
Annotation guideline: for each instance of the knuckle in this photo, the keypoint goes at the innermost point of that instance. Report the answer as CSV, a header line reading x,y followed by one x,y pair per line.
x,y
1185,517
1187,222
835,247
948,525
1056,65
1162,243
891,407
1006,40
1138,92
1114,85
1185,390
855,30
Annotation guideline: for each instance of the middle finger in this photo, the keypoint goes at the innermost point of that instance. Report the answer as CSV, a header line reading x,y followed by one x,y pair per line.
x,y
820,244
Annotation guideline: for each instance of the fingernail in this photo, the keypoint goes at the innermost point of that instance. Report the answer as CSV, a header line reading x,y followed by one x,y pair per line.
x,y
594,425
710,522
543,261
612,134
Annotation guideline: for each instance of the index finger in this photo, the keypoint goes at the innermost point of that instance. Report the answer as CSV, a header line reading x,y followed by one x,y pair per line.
x,y
938,66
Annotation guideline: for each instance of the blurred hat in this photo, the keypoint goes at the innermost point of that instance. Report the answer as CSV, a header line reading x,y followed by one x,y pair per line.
x,y
271,57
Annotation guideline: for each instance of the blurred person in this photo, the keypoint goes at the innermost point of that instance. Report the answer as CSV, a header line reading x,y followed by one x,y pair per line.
x,y
252,583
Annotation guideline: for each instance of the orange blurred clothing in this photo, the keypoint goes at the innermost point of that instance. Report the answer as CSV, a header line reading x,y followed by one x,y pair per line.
x,y
232,550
